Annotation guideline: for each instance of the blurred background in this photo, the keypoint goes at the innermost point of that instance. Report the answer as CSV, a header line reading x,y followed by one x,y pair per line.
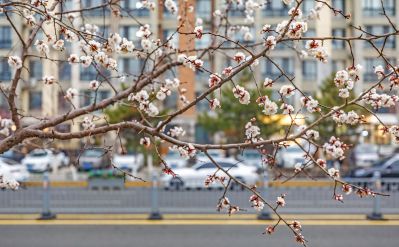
x,y
77,182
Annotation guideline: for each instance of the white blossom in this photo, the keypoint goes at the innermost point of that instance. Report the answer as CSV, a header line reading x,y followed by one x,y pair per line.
x,y
71,93
15,62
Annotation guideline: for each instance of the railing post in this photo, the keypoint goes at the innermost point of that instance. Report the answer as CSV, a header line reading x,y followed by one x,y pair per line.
x,y
46,212
265,213
376,214
155,213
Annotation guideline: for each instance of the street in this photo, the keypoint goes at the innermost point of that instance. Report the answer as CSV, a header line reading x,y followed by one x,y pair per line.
x,y
193,236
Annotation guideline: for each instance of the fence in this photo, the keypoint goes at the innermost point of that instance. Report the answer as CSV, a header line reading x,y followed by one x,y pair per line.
x,y
300,199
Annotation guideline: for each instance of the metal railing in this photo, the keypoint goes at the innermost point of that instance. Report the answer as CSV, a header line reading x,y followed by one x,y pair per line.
x,y
156,199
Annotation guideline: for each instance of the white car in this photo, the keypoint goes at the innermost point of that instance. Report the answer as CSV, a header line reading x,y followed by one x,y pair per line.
x,y
194,177
288,157
13,169
131,163
364,155
252,157
215,154
174,160
41,160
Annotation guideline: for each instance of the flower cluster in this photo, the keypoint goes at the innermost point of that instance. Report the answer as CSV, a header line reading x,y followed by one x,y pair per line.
x,y
191,62
379,100
186,152
252,132
214,178
334,173
287,91
310,104
5,124
8,182
214,79
241,94
71,93
224,203
335,148
256,202
49,80
281,200
315,49
15,62
145,105
351,118
295,28
176,131
287,109
88,124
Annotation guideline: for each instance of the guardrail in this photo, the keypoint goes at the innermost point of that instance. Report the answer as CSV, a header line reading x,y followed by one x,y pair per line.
x,y
149,197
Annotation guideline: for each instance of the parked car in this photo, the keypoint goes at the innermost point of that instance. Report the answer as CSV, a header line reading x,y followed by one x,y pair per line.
x,y
41,160
174,160
388,168
251,157
364,155
13,169
94,158
215,154
13,155
194,177
288,157
130,162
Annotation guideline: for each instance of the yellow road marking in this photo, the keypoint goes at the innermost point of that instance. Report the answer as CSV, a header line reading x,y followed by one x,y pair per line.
x,y
199,222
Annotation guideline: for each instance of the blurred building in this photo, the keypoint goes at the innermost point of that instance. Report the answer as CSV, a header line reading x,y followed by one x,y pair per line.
x,y
34,99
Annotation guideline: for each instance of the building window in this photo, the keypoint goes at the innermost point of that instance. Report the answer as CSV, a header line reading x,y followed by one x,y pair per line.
x,y
36,69
337,65
129,32
62,103
169,15
204,42
5,71
203,8
338,44
374,7
129,8
5,37
167,34
370,64
103,31
130,66
91,73
339,5
309,70
64,72
236,10
35,100
379,30
307,5
202,76
89,97
275,8
102,12
170,103
285,63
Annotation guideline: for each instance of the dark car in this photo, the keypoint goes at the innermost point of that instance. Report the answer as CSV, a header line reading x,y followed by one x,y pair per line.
x,y
387,167
92,159
13,155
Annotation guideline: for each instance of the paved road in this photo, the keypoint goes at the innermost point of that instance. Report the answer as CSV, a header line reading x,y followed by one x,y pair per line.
x,y
193,236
